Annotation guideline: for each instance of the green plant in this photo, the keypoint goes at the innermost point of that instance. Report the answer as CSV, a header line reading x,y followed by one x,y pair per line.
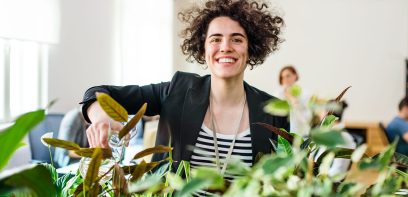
x,y
290,169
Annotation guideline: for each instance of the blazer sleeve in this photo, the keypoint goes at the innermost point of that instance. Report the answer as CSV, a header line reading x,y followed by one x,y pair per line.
x,y
132,97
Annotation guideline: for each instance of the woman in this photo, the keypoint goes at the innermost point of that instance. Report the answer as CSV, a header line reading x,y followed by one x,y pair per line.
x,y
300,114
226,36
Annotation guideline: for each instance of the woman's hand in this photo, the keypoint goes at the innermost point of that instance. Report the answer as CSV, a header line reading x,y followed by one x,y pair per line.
x,y
98,132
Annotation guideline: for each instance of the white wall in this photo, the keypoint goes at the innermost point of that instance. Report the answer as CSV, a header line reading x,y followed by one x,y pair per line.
x,y
337,43
85,55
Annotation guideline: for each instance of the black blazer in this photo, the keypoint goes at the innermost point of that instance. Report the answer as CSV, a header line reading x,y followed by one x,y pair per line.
x,y
182,104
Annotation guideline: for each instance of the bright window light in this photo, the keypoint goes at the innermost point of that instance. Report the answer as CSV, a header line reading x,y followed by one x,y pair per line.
x,y
24,77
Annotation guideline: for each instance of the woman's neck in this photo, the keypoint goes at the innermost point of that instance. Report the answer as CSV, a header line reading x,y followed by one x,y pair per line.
x,y
227,93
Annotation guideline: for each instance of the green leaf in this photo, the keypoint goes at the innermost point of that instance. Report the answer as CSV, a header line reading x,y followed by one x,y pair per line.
x,y
156,149
284,147
139,171
52,170
237,167
203,178
10,138
184,165
277,107
193,186
88,152
358,153
132,123
36,178
61,183
111,107
345,153
93,169
175,181
328,138
381,160
119,181
295,90
216,179
328,121
272,164
62,144
148,182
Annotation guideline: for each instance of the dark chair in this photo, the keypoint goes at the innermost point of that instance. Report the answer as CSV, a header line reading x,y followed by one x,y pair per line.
x,y
39,152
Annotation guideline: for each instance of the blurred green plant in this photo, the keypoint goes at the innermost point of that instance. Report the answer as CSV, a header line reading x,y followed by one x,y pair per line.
x,y
292,168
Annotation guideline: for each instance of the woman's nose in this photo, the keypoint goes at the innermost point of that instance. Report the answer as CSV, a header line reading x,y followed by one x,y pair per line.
x,y
225,46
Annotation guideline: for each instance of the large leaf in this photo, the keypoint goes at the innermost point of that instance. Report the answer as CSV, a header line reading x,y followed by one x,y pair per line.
x,y
111,107
10,138
93,169
132,123
119,182
61,143
277,131
36,178
329,138
277,107
139,171
88,152
156,149
149,166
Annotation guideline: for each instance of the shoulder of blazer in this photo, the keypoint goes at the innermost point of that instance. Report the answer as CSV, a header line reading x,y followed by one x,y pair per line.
x,y
187,80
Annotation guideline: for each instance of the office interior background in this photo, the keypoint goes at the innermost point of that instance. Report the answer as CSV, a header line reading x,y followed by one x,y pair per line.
x,y
56,49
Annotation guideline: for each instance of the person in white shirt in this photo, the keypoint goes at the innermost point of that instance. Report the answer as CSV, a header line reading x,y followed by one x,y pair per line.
x,y
300,114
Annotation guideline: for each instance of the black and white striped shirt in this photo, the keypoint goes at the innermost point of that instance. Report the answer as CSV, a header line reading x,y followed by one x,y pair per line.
x,y
204,151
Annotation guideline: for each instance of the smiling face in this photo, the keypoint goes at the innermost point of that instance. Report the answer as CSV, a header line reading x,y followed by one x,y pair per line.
x,y
226,48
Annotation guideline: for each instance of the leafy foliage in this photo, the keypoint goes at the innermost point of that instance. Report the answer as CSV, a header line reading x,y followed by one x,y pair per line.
x,y
11,138
292,169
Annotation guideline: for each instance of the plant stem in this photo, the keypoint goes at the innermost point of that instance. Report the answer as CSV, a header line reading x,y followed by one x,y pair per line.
x,y
49,151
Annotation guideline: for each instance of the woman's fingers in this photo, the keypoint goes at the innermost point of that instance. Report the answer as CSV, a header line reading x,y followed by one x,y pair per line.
x,y
103,136
90,136
97,134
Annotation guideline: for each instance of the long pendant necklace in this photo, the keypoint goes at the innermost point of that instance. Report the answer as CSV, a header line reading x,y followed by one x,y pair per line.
x,y
229,154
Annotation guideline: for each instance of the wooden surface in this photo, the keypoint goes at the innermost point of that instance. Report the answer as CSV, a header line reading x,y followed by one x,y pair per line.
x,y
375,136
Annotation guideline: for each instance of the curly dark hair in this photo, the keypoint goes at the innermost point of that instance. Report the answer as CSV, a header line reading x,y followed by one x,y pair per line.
x,y
262,28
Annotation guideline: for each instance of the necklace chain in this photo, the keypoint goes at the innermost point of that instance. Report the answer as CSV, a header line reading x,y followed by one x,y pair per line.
x,y
217,155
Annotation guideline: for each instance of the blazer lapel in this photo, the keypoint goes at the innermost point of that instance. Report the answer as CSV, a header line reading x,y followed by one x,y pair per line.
x,y
259,136
194,109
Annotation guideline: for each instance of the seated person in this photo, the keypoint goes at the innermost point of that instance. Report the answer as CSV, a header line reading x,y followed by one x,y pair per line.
x,y
73,128
398,127
300,114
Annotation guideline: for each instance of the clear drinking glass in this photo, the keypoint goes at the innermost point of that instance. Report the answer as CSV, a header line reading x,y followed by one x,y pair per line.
x,y
118,150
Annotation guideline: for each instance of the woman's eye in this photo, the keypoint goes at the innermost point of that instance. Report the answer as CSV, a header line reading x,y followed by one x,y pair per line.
x,y
215,40
237,40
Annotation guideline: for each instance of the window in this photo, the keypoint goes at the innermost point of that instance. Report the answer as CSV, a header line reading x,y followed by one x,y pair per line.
x,y
22,66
